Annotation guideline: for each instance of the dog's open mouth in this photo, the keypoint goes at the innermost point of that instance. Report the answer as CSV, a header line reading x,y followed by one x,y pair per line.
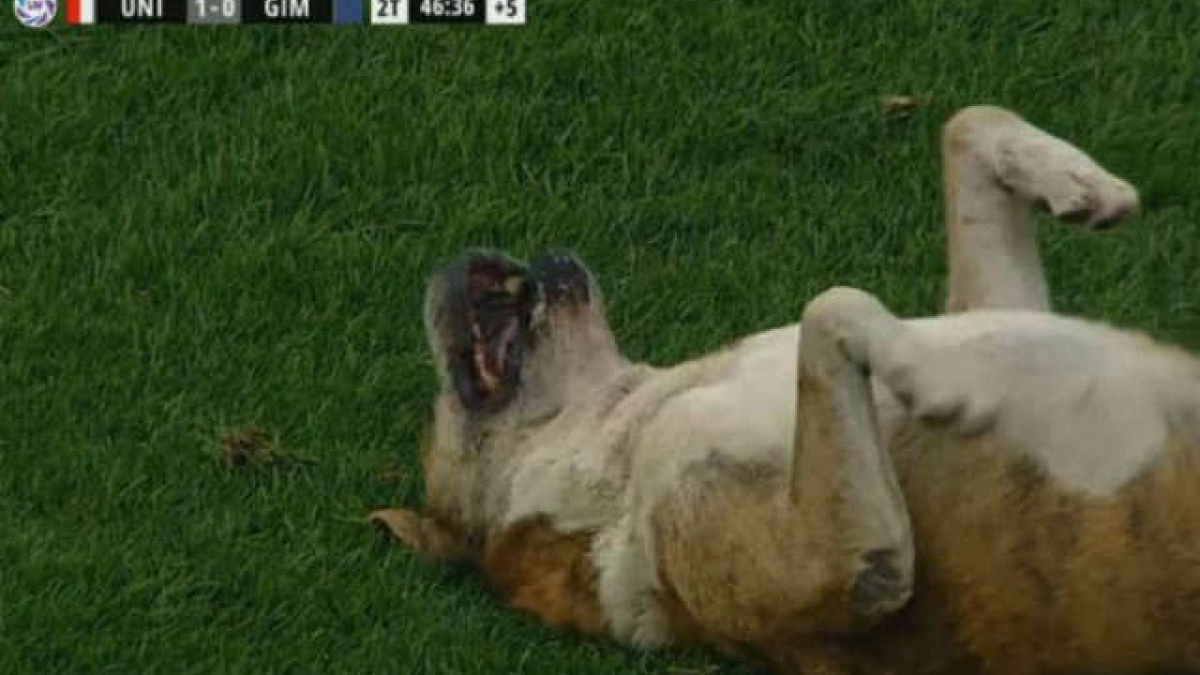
x,y
496,317
501,300
498,300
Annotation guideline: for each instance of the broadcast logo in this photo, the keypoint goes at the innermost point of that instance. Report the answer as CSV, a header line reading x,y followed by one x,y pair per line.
x,y
35,13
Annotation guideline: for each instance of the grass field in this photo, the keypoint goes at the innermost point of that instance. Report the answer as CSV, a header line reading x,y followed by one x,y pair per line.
x,y
202,230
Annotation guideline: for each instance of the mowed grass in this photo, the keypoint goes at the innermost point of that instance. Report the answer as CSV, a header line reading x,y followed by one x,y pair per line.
x,y
206,229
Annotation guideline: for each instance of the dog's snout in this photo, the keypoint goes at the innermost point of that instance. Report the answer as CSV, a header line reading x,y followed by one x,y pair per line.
x,y
562,278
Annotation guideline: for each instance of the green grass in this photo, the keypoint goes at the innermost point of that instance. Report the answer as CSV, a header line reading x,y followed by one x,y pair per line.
x,y
202,229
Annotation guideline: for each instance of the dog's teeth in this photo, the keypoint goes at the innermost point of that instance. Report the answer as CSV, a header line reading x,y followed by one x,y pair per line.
x,y
486,377
490,381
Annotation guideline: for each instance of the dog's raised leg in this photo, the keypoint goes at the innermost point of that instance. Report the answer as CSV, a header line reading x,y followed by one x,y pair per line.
x,y
842,481
996,168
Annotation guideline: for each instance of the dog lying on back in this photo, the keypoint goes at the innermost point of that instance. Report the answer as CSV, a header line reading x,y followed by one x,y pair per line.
x,y
999,489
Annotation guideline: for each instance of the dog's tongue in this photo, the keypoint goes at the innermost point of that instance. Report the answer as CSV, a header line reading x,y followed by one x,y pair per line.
x,y
491,354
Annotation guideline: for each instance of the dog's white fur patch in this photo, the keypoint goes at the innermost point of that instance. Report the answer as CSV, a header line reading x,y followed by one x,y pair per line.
x,y
1093,406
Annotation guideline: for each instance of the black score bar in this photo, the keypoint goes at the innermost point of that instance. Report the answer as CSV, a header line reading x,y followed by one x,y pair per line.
x,y
376,12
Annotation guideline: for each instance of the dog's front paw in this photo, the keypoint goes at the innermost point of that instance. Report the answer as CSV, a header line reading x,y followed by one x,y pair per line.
x,y
1041,168
883,583
1082,192
1060,177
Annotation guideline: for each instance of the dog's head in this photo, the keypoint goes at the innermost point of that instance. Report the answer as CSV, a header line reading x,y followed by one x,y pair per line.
x,y
513,344
512,340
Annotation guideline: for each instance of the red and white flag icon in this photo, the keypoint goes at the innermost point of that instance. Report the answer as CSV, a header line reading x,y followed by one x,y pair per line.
x,y
81,12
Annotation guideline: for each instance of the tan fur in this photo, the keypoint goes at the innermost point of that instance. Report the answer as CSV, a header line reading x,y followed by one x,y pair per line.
x,y
1017,577
755,560
743,564
539,570
1039,580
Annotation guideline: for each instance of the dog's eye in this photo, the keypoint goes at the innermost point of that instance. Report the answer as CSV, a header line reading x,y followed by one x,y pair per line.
x,y
514,285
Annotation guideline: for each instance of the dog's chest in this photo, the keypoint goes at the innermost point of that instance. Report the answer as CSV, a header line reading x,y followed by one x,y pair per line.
x,y
571,474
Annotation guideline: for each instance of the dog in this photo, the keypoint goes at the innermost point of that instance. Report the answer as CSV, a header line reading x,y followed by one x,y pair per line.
x,y
998,489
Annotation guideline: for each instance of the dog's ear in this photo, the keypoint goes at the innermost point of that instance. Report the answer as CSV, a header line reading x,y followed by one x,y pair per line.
x,y
428,537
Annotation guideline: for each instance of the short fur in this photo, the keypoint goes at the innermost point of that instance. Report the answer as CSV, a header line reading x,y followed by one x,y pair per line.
x,y
999,489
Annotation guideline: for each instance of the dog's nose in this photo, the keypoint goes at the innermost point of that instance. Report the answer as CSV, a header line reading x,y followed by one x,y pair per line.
x,y
563,278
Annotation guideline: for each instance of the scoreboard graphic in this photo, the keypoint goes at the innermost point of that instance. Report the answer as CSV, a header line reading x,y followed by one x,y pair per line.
x,y
216,12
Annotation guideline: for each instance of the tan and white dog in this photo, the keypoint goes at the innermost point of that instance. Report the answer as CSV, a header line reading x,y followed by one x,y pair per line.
x,y
999,490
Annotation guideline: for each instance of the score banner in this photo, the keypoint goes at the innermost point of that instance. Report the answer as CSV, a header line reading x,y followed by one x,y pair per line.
x,y
375,12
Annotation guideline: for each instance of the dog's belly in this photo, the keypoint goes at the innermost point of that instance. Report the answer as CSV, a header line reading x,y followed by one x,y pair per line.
x,y
1026,561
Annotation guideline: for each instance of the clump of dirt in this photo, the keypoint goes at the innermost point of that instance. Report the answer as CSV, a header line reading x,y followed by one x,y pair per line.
x,y
391,474
248,447
898,107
